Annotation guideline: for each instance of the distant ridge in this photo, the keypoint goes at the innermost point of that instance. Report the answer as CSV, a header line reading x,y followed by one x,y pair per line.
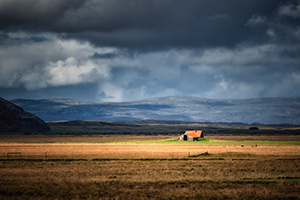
x,y
193,109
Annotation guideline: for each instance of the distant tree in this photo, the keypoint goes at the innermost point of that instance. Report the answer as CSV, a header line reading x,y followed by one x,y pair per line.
x,y
253,128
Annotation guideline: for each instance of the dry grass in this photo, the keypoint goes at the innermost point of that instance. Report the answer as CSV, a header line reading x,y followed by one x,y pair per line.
x,y
257,178
146,171
128,150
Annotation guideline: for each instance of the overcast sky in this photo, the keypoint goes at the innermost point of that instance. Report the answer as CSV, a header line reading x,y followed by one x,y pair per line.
x,y
124,50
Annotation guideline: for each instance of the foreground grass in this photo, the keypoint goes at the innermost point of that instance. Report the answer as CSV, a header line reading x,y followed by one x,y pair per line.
x,y
148,168
233,177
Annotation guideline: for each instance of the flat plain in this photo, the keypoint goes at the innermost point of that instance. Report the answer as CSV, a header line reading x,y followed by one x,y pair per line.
x,y
149,167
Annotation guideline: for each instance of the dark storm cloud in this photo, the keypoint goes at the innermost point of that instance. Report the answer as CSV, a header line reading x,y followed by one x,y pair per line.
x,y
34,14
86,92
121,50
140,24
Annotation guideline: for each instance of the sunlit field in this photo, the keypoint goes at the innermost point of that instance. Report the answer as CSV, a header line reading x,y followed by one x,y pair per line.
x,y
149,167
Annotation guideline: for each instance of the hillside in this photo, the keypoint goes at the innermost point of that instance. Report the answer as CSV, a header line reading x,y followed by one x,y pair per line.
x,y
14,119
193,109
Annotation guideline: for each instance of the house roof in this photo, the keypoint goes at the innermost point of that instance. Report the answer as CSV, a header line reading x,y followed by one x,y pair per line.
x,y
194,133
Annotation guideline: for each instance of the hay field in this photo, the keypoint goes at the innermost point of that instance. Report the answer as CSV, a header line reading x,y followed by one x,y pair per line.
x,y
89,147
148,167
128,150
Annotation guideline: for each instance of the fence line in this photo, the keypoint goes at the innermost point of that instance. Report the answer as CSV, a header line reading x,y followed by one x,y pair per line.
x,y
14,154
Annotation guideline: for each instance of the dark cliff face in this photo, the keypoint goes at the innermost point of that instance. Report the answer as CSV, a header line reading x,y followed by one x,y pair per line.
x,y
14,119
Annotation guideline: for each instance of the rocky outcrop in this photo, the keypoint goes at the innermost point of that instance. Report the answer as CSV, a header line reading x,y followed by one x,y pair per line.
x,y
14,119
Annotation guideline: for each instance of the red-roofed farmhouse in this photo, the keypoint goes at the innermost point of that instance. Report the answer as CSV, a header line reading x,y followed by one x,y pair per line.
x,y
191,135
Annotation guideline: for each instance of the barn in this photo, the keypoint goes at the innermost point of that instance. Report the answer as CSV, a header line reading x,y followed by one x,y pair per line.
x,y
191,135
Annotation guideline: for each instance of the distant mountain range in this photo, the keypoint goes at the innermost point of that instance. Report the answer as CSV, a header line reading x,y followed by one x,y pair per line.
x,y
194,109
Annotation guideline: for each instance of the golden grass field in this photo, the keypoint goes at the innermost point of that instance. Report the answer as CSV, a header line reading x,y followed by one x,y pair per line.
x,y
143,167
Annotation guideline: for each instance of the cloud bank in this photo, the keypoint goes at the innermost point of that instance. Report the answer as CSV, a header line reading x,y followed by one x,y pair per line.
x,y
123,51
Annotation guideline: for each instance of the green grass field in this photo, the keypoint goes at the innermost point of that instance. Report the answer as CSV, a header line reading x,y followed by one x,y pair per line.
x,y
207,141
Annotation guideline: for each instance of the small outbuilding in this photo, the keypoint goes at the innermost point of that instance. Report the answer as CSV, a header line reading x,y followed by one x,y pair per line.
x,y
191,135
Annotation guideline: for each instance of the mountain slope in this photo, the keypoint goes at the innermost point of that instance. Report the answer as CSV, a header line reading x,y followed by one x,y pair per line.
x,y
259,110
14,119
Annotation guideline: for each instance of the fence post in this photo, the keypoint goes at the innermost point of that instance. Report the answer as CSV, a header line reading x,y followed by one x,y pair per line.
x,y
46,156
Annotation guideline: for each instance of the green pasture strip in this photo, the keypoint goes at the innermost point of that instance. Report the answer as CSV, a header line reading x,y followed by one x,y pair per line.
x,y
223,142
207,141
204,141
